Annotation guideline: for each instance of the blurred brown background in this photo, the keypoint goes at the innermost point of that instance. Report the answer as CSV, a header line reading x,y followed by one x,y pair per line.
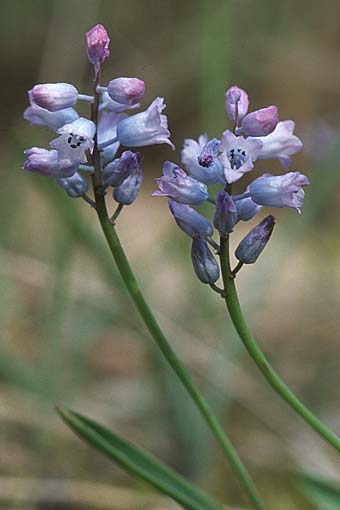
x,y
68,330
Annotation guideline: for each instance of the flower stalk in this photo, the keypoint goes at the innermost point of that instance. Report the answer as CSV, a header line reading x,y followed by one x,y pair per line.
x,y
245,334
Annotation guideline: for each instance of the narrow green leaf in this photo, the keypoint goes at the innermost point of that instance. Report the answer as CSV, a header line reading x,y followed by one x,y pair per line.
x,y
324,493
138,462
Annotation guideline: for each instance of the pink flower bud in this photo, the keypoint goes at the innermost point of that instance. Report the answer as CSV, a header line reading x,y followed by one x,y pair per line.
x,y
97,45
234,96
54,96
128,91
261,122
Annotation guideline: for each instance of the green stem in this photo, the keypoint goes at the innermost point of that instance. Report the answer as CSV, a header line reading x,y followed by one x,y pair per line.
x,y
261,361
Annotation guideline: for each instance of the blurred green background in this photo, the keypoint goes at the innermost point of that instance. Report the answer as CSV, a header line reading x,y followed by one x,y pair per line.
x,y
68,331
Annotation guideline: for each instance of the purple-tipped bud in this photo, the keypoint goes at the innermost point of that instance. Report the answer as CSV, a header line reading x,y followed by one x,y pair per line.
x,y
127,91
225,216
119,169
178,186
204,262
190,221
279,190
255,241
236,96
54,96
247,209
44,162
74,186
145,128
127,192
261,122
97,45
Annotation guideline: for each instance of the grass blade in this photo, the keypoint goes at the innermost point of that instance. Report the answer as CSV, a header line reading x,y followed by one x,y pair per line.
x,y
138,463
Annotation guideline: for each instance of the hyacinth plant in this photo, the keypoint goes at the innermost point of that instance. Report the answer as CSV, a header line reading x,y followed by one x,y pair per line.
x,y
89,151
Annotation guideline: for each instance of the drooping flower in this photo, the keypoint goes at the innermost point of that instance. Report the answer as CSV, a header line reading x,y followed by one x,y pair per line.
x,y
238,155
54,96
74,140
279,190
45,162
145,128
38,116
255,241
97,45
261,122
127,192
204,262
128,91
112,106
246,208
107,130
178,186
201,161
190,221
75,186
119,169
280,144
233,96
225,216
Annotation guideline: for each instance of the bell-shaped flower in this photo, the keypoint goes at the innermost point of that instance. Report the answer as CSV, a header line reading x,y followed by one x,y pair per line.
x,y
255,241
75,186
238,155
38,116
246,208
190,221
236,98
74,140
45,162
119,169
112,106
261,122
97,45
54,96
107,130
178,186
204,262
145,128
127,192
201,161
280,144
279,190
128,91
225,216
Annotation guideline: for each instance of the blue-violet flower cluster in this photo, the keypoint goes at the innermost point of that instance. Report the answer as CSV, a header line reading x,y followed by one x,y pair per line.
x,y
52,105
257,135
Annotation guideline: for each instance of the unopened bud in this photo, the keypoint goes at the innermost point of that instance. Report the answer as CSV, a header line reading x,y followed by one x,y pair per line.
x,y
255,241
97,45
261,122
128,91
54,96
204,262
236,96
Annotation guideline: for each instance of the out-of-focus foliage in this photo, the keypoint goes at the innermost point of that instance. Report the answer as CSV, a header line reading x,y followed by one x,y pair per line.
x,y
68,332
